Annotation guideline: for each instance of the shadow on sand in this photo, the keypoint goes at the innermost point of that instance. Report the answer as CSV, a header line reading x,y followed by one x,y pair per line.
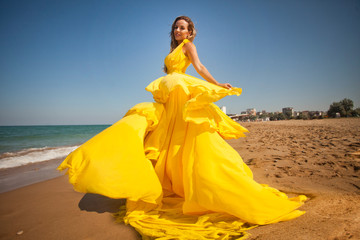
x,y
100,204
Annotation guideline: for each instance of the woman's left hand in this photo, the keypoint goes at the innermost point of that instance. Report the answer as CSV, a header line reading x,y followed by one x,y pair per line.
x,y
225,85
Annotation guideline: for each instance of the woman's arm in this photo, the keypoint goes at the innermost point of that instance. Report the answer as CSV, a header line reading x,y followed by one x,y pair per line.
x,y
191,53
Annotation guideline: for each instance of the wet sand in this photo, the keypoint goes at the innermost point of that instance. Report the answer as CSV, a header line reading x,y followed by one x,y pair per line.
x,y
13,178
313,157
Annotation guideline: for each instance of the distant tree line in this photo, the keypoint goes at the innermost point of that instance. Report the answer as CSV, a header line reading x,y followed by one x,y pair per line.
x,y
344,108
281,116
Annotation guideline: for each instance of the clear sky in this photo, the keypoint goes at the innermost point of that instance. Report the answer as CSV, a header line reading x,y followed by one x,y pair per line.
x,y
88,62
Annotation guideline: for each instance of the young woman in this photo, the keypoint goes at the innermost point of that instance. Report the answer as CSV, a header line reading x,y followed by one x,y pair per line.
x,y
170,161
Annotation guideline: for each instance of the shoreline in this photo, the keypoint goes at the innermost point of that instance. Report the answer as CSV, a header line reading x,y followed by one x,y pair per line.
x,y
21,176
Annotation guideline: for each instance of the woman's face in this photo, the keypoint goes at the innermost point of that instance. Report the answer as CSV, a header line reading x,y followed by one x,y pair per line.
x,y
181,30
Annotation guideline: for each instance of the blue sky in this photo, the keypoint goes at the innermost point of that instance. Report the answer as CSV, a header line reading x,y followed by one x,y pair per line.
x,y
88,62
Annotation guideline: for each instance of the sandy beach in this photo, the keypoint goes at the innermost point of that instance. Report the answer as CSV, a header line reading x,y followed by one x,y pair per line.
x,y
313,157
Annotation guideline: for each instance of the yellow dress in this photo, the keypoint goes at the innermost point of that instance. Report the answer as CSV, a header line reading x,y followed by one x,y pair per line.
x,y
169,159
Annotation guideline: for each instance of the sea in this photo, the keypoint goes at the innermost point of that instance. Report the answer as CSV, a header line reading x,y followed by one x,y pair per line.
x,y
21,145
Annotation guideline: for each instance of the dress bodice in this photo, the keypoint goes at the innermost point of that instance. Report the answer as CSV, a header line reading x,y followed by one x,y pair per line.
x,y
177,61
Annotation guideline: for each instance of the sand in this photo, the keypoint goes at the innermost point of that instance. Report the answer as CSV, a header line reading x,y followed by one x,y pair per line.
x,y
313,157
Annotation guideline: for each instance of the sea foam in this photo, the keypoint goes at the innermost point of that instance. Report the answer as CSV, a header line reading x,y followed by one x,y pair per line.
x,y
32,155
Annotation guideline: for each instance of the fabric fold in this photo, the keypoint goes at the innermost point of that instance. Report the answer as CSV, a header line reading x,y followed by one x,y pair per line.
x,y
169,222
199,108
112,162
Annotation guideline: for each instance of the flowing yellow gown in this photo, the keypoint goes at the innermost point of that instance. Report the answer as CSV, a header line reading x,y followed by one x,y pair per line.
x,y
169,159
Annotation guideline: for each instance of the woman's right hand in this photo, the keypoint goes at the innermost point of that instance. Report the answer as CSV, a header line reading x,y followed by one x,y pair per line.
x,y
225,85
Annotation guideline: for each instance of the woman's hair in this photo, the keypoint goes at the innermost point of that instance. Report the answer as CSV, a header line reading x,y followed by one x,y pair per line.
x,y
191,29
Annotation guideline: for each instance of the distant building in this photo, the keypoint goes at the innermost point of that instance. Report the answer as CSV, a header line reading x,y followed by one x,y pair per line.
x,y
223,108
318,113
251,111
288,111
305,114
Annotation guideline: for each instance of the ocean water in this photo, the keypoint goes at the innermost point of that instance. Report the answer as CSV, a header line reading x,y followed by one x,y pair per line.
x,y
20,145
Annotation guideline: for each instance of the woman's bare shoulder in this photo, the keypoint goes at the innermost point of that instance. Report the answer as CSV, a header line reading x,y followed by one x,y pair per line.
x,y
189,47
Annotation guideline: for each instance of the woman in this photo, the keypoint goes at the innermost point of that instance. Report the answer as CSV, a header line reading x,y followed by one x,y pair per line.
x,y
170,160
183,28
